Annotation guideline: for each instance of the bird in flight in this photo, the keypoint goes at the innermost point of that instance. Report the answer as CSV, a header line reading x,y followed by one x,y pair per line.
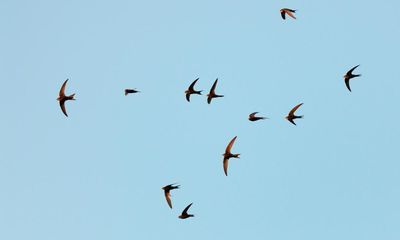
x,y
167,194
253,117
62,98
191,90
128,91
228,155
349,75
290,117
212,94
287,11
184,213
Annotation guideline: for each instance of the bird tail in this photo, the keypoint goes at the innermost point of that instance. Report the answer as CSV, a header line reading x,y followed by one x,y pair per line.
x,y
72,96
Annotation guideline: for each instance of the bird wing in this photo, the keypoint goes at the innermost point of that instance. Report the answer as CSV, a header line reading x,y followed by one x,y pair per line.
x,y
209,98
184,212
290,13
188,97
228,148
291,120
347,82
62,105
226,166
212,90
191,87
351,70
294,109
252,115
61,94
168,198
283,14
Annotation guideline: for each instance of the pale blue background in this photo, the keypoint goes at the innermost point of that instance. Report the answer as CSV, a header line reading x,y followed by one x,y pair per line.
x,y
98,174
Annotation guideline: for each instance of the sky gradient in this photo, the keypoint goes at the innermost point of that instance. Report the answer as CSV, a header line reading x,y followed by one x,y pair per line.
x,y
98,173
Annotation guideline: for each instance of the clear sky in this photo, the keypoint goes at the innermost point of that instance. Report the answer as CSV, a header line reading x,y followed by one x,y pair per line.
x,y
98,174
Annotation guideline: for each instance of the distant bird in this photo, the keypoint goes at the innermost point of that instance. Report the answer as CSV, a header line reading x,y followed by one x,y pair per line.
x,y
228,155
290,117
287,11
62,97
167,194
253,117
212,94
191,90
128,91
349,75
184,214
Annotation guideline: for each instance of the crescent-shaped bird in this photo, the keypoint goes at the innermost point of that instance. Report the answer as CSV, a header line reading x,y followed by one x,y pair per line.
x,y
129,91
62,98
253,117
349,75
191,90
287,11
167,193
184,213
212,93
228,155
291,116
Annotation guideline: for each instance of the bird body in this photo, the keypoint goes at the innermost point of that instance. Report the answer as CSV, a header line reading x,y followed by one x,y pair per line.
x,y
349,75
287,11
129,91
212,93
184,213
167,193
291,116
253,117
227,155
191,90
62,98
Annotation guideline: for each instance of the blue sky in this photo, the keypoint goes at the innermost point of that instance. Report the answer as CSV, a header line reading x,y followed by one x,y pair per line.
x,y
98,174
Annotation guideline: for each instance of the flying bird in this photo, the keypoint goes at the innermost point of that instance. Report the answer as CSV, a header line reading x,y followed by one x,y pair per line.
x,y
287,11
62,98
184,213
349,75
253,117
290,117
167,194
128,91
212,94
191,90
228,155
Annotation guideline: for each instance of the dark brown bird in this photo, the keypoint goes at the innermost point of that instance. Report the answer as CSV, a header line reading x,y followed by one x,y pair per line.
x,y
290,117
184,213
287,11
167,194
228,155
128,91
191,90
212,94
253,117
349,75
62,98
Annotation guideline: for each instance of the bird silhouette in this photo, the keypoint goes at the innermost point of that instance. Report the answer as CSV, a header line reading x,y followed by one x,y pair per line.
x,y
253,117
191,90
129,91
287,11
212,94
228,155
184,213
290,117
62,98
349,75
167,194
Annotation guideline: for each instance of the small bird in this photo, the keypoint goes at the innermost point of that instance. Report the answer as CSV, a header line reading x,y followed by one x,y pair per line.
x,y
184,213
349,75
287,11
167,194
191,90
253,117
290,117
228,155
212,94
62,97
128,91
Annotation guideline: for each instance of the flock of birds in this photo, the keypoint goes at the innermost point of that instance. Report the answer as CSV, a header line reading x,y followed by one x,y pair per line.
x,y
62,98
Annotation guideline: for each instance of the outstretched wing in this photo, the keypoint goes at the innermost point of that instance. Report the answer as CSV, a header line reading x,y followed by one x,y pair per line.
x,y
184,212
191,87
168,198
62,90
347,82
212,90
351,70
62,105
252,115
294,109
228,148
283,14
226,161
